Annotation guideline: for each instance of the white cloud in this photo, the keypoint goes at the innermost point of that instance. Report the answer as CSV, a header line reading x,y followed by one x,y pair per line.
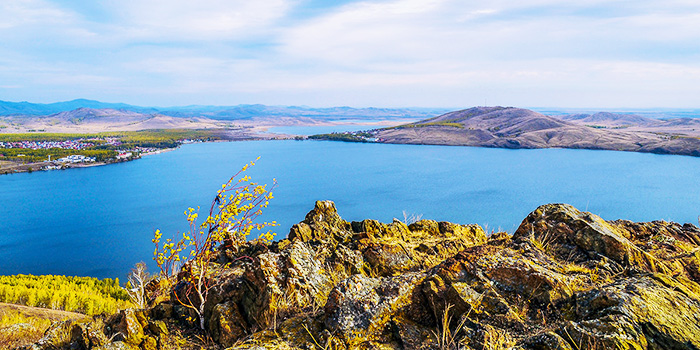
x,y
176,20
31,12
392,52
540,45
361,34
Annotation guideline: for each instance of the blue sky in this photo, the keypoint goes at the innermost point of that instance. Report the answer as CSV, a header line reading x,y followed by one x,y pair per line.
x,y
398,53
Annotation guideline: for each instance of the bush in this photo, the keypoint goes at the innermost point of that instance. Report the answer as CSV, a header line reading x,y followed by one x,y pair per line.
x,y
230,221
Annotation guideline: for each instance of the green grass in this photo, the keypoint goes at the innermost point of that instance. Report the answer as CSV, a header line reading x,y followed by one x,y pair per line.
x,y
28,155
156,135
421,125
338,137
162,138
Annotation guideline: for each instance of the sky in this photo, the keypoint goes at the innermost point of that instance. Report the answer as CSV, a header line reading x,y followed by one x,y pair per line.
x,y
395,53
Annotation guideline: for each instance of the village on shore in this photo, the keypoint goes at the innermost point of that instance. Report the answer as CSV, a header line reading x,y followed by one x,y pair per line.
x,y
121,152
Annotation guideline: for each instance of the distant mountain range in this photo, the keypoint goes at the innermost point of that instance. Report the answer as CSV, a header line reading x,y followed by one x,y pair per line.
x,y
91,120
219,112
509,127
651,113
39,109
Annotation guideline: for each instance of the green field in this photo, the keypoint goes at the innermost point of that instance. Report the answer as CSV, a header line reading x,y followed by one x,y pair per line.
x,y
101,150
144,136
26,155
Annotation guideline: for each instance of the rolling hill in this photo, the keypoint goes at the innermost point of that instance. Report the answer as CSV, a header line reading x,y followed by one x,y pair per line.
x,y
509,127
88,120
244,111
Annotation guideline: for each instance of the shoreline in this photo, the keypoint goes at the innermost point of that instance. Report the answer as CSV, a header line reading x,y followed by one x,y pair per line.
x,y
39,166
164,150
655,152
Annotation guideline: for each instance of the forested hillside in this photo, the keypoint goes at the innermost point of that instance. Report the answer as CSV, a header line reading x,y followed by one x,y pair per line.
x,y
85,295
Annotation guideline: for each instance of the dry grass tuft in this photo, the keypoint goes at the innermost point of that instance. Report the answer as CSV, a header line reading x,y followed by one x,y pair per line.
x,y
18,329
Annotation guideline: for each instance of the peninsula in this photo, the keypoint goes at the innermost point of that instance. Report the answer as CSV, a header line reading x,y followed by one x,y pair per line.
x,y
82,133
509,127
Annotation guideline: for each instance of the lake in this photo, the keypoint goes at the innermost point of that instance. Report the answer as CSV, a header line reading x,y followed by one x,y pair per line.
x,y
99,221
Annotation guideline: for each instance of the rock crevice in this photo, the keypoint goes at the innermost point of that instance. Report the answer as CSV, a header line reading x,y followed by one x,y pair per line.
x,y
565,279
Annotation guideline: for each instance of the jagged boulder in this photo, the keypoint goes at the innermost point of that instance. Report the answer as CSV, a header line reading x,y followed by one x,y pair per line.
x,y
319,254
651,311
374,229
386,259
117,345
322,223
86,333
673,244
565,280
359,309
435,241
427,227
129,325
574,236
226,324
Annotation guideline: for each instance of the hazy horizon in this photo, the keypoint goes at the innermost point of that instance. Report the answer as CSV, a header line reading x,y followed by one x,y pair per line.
x,y
540,109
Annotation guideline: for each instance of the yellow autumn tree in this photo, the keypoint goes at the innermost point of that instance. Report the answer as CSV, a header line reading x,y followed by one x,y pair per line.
x,y
230,222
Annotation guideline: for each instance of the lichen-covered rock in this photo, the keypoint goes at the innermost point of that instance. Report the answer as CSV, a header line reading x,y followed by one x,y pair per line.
x,y
673,244
162,311
128,326
377,230
85,333
149,343
226,324
428,227
117,345
473,234
548,341
475,283
158,328
388,259
566,280
575,236
322,223
654,310
57,336
414,335
360,308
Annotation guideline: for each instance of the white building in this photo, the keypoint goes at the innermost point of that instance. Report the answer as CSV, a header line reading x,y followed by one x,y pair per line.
x,y
76,158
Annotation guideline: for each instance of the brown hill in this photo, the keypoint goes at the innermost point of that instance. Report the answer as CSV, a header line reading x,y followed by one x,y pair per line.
x,y
509,127
611,119
89,120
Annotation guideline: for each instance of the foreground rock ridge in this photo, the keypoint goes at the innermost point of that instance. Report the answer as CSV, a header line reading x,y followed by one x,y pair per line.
x,y
565,279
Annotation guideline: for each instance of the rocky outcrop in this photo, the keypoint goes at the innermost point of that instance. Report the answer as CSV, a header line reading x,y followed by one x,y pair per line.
x,y
323,258
565,279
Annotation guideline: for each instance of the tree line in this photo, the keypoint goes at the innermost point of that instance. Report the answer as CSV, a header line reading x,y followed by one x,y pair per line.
x,y
85,295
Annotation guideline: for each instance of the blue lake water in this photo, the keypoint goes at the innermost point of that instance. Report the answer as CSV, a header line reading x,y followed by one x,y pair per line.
x,y
99,221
